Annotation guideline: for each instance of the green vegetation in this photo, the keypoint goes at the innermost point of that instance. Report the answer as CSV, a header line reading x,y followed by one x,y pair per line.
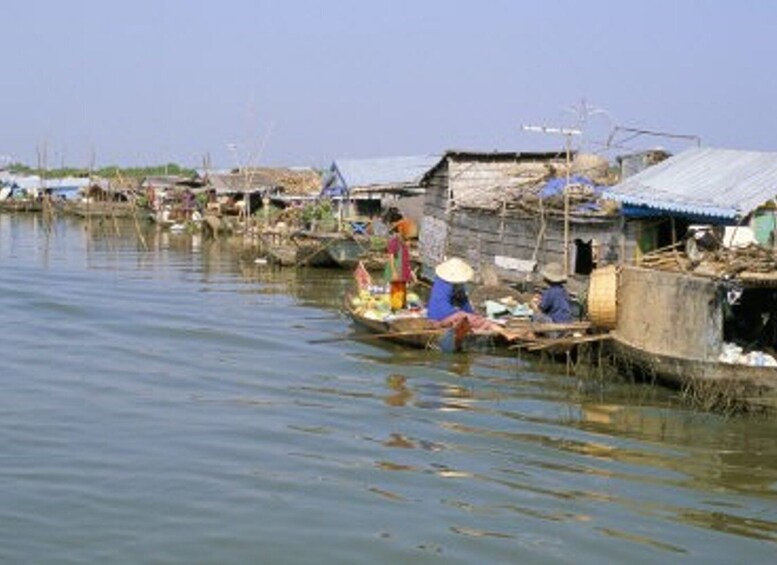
x,y
318,211
110,171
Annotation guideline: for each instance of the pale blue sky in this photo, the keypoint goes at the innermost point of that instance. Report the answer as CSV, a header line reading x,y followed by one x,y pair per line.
x,y
299,82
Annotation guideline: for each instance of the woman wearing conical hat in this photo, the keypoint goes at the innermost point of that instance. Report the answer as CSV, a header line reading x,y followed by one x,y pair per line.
x,y
448,300
553,304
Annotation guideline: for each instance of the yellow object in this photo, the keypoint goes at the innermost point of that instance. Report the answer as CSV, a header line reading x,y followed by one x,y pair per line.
x,y
398,295
603,297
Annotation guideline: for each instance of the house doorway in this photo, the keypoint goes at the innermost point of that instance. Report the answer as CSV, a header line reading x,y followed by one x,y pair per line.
x,y
584,257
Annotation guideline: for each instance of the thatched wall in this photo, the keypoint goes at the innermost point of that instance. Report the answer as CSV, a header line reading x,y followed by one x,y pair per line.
x,y
487,184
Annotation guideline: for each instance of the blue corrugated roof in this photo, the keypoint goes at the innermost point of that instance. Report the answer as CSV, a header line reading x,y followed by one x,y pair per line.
x,y
703,181
363,173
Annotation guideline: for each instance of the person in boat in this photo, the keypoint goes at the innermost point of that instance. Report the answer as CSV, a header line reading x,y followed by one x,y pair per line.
x,y
407,228
553,304
448,300
398,271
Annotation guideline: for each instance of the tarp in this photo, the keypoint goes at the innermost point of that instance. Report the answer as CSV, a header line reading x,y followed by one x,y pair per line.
x,y
555,186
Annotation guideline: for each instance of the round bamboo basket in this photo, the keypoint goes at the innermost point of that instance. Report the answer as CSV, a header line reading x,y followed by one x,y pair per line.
x,y
603,297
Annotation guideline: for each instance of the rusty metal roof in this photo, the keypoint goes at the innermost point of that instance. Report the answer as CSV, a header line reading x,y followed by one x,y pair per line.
x,y
725,183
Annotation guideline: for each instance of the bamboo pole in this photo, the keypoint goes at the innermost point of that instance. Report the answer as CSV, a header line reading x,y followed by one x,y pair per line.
x,y
139,232
566,207
547,343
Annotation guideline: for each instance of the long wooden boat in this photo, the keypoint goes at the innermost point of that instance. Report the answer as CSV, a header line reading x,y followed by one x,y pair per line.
x,y
295,249
102,209
412,331
297,254
348,251
21,205
554,339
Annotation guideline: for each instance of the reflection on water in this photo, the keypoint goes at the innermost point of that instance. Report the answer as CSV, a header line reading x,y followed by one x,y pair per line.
x,y
167,390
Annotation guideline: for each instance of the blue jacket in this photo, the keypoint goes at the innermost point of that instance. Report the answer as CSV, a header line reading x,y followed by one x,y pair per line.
x,y
555,303
441,301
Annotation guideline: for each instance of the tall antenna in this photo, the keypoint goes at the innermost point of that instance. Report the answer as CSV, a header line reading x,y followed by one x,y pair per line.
x,y
567,133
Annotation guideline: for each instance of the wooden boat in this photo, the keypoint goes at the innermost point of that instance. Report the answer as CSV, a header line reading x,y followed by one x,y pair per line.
x,y
553,339
412,331
96,210
296,249
348,251
283,254
21,205
714,383
298,254
671,327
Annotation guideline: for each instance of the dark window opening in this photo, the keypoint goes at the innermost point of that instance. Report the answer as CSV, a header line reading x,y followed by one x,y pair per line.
x,y
584,257
751,322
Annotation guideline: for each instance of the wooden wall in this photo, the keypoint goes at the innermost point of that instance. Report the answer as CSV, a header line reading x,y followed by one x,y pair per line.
x,y
479,235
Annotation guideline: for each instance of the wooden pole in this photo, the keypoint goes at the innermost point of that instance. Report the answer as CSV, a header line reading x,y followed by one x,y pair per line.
x,y
567,133
566,207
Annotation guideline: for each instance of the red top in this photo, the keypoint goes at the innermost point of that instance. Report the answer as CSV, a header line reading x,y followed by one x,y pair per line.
x,y
400,255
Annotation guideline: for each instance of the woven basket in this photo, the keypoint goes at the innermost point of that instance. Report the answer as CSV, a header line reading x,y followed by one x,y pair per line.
x,y
603,297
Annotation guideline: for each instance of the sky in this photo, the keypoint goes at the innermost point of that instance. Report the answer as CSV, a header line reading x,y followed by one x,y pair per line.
x,y
303,83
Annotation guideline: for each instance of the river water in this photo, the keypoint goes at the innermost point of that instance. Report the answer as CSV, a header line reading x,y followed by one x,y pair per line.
x,y
162,403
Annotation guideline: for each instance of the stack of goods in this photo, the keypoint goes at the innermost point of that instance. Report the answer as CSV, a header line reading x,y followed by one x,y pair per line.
x,y
374,303
507,307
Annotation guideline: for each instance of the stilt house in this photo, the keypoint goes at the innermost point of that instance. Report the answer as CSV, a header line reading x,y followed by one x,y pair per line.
x,y
364,186
701,228
507,210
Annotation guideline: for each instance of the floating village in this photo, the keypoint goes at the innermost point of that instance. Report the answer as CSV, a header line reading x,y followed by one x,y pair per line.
x,y
669,259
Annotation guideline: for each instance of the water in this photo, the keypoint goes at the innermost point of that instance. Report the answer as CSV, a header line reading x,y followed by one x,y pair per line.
x,y
164,405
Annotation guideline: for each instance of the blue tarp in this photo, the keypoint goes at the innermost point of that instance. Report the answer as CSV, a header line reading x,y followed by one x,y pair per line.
x,y
555,186
333,186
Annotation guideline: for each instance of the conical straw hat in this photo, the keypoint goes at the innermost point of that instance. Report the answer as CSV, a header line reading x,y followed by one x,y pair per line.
x,y
553,272
454,271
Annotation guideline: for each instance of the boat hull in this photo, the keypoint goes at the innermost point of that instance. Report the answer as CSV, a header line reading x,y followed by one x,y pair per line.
x,y
102,209
418,333
743,384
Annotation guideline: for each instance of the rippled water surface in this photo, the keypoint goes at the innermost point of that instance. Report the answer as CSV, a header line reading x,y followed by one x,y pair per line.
x,y
162,403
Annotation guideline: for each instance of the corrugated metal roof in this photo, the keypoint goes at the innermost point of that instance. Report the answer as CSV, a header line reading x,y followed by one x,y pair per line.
x,y
384,170
66,182
703,181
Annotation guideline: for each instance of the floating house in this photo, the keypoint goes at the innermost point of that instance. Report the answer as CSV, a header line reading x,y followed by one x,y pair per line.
x,y
700,186
65,188
26,192
364,186
514,210
248,189
700,306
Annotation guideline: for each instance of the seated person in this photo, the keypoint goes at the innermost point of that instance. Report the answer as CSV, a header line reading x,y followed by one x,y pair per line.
x,y
553,305
448,300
